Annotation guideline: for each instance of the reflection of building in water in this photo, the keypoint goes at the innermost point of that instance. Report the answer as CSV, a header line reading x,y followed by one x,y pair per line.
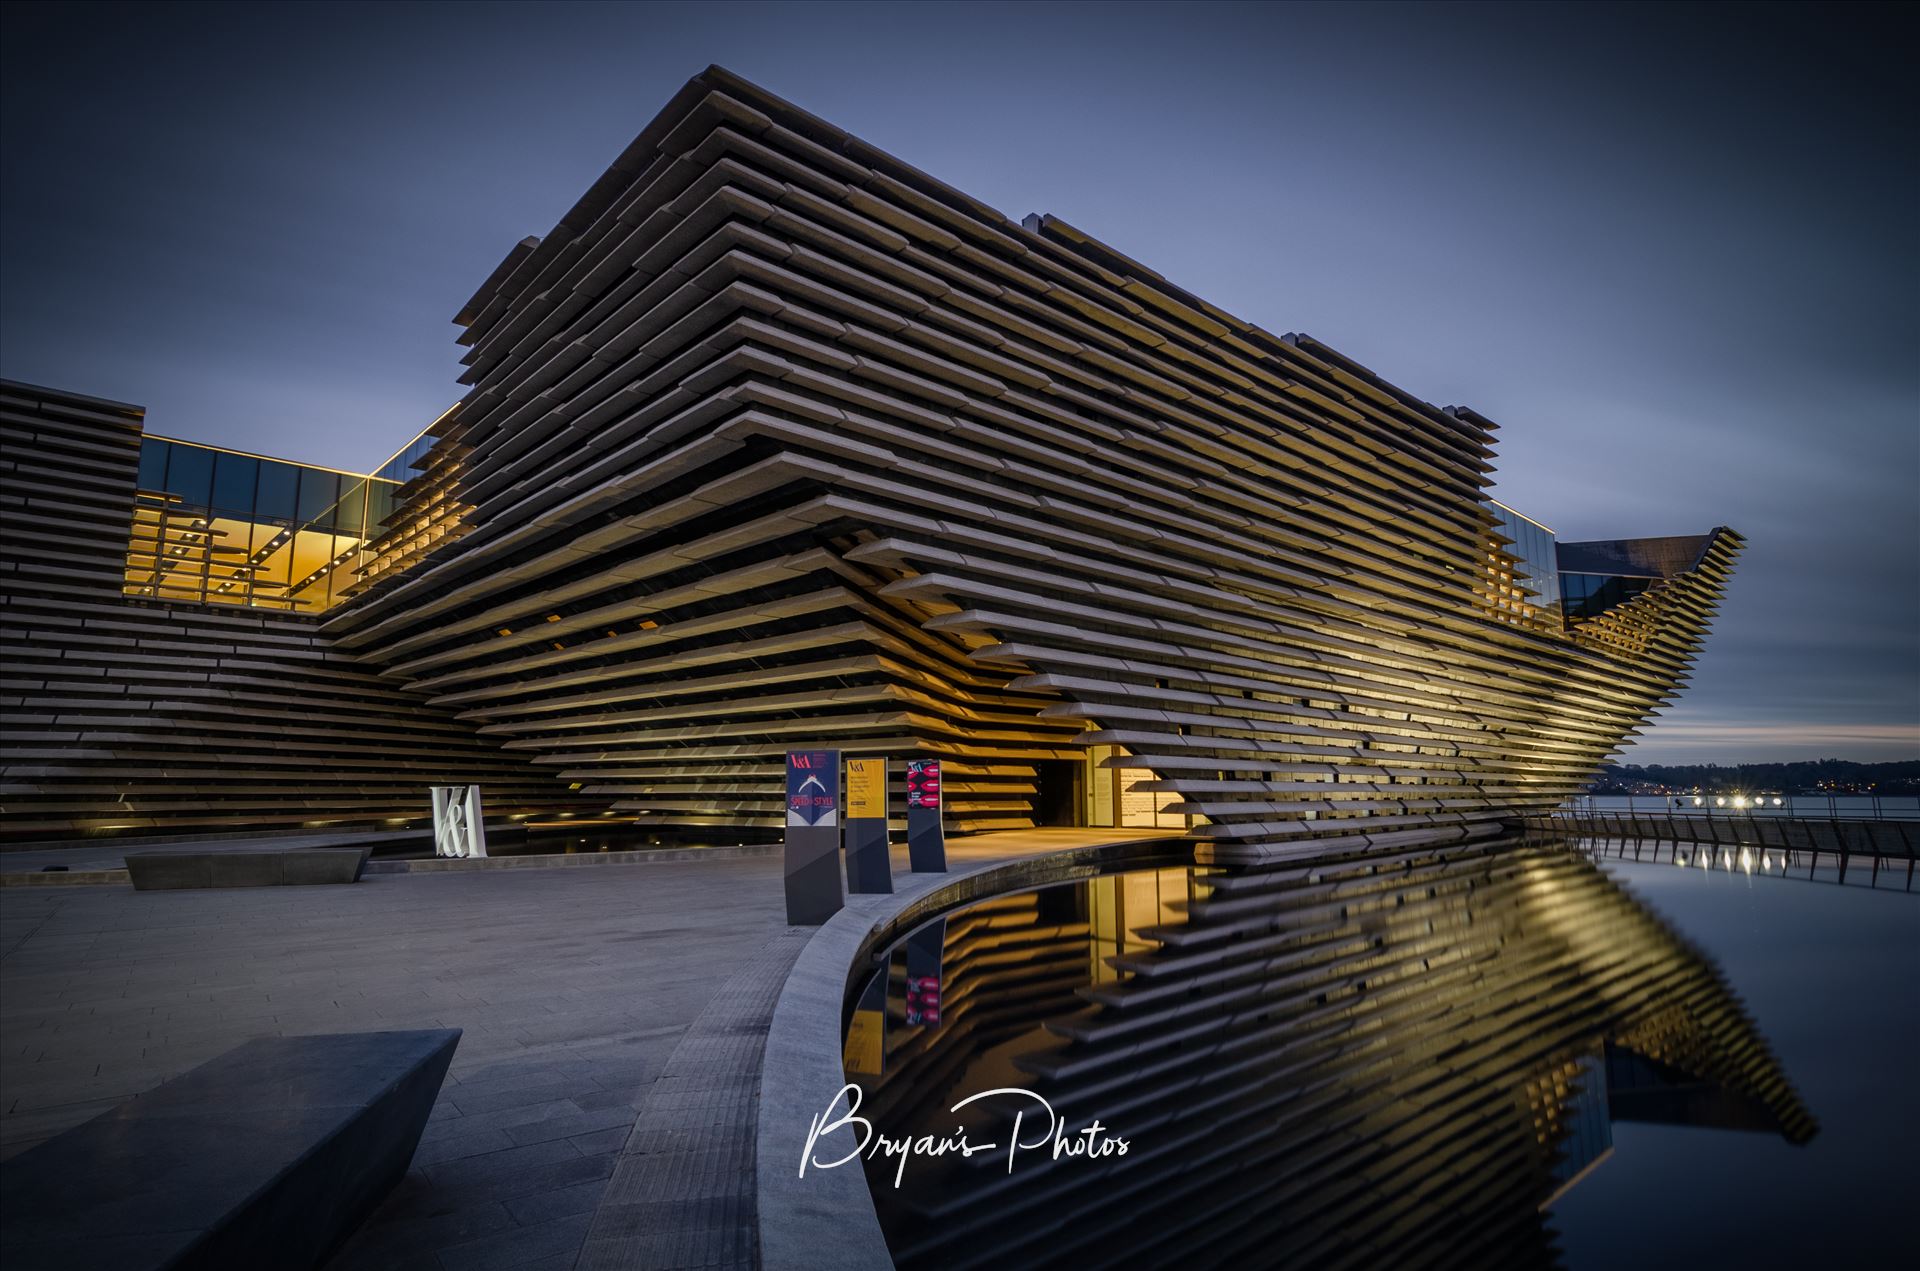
x,y
1005,962
1122,908
1568,1103
1382,1063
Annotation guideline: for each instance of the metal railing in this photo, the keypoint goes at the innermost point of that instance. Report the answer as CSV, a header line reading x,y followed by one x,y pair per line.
x,y
1792,841
1832,807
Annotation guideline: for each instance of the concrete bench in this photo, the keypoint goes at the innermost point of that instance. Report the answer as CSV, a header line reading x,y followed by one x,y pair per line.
x,y
267,1157
266,867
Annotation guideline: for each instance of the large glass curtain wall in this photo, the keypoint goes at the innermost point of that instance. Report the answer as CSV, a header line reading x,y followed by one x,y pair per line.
x,y
1535,554
216,526
404,466
1590,595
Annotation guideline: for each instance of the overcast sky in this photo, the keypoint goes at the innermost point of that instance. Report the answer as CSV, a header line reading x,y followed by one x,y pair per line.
x,y
1671,251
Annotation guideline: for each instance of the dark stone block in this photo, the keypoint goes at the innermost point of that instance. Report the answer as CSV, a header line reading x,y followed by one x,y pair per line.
x,y
268,1156
165,871
322,865
246,869
161,871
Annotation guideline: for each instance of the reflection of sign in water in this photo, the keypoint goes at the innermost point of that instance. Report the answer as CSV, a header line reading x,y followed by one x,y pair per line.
x,y
813,787
866,1047
923,783
925,949
866,789
923,1000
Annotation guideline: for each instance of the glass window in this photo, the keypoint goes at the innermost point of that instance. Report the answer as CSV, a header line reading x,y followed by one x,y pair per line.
x,y
190,474
275,558
379,507
233,481
319,491
402,467
153,463
1590,595
345,566
1536,567
241,530
352,516
278,484
311,553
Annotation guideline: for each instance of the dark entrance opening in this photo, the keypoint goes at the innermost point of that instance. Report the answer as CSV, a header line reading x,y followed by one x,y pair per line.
x,y
1060,791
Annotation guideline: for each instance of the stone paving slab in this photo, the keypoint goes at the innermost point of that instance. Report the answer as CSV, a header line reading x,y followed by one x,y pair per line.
x,y
105,854
576,989
573,986
105,861
682,1193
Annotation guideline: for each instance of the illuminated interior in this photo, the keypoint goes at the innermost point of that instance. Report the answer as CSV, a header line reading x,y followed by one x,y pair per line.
x,y
1114,795
224,527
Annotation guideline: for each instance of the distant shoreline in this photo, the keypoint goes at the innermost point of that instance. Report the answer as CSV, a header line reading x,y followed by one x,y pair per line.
x,y
1804,778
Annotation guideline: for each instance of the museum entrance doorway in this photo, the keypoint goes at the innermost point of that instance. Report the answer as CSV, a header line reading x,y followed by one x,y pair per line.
x,y
1060,793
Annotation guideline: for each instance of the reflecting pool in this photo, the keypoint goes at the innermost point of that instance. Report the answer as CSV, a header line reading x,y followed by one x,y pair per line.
x,y
1513,1055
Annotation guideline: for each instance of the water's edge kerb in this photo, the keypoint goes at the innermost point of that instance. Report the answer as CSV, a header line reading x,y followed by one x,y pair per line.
x,y
826,1220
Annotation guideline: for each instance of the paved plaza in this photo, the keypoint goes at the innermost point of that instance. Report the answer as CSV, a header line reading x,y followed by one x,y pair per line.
x,y
576,983
573,987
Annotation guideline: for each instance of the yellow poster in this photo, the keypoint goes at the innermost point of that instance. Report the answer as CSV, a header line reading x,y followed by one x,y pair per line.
x,y
867,788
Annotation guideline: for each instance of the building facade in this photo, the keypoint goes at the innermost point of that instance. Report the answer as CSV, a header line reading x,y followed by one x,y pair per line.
x,y
164,667
775,441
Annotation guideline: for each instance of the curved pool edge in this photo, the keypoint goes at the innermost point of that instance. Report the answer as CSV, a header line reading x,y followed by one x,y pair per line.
x,y
827,1219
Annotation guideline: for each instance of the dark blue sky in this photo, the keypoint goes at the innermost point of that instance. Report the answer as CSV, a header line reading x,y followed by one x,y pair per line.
x,y
1671,250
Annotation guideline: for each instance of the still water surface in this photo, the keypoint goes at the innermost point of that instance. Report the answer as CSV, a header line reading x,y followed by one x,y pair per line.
x,y
1832,977
1510,1056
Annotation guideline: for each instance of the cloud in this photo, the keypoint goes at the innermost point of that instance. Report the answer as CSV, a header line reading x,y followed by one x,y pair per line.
x,y
1738,741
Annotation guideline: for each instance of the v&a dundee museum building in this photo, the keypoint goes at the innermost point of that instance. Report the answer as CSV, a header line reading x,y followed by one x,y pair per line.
x,y
774,441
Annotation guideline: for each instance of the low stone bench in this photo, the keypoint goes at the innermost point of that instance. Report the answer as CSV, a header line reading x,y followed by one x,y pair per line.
x,y
267,867
267,1157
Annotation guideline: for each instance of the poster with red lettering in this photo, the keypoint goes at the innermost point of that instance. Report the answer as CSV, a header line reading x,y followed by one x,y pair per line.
x,y
923,783
813,787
